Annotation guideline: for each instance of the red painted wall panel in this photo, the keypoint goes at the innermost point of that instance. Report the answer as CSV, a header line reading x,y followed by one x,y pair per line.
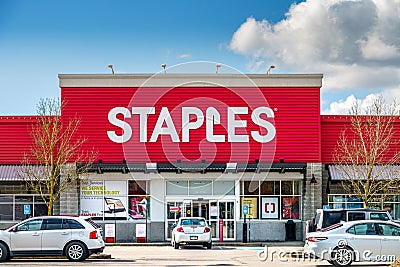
x,y
15,138
297,122
331,128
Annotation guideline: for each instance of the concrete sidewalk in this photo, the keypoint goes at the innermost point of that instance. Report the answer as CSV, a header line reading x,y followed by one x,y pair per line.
x,y
222,244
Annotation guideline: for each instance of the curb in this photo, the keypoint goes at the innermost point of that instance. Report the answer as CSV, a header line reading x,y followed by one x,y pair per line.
x,y
221,244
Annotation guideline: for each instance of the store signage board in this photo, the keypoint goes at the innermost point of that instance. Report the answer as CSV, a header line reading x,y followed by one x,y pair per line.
x,y
109,230
214,211
245,209
165,118
270,208
175,209
27,209
140,230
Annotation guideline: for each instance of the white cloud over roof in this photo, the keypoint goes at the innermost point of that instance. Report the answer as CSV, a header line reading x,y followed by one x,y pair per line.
x,y
354,43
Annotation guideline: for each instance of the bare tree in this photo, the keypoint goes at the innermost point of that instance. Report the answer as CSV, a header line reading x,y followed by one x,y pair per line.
x,y
366,152
51,167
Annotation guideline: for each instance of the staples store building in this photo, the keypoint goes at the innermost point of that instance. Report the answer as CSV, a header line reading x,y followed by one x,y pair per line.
x,y
174,145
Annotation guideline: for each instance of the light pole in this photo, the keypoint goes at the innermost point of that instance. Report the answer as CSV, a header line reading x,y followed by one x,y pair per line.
x,y
269,69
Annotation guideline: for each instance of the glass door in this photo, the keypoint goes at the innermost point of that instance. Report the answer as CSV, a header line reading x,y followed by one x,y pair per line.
x,y
227,214
174,212
212,210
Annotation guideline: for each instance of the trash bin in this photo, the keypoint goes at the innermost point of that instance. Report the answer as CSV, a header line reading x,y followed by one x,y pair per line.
x,y
290,227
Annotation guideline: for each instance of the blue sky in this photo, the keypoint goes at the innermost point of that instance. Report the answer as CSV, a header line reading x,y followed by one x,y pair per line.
x,y
39,39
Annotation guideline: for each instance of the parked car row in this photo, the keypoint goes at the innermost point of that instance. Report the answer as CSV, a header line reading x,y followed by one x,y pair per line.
x,y
364,241
74,237
343,236
79,237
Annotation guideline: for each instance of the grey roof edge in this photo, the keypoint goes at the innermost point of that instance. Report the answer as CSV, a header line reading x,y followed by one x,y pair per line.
x,y
190,80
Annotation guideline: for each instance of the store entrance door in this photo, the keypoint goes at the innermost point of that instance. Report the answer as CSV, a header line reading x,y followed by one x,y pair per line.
x,y
212,210
200,209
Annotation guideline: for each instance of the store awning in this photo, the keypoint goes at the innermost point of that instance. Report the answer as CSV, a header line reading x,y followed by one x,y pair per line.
x,y
197,167
10,172
380,172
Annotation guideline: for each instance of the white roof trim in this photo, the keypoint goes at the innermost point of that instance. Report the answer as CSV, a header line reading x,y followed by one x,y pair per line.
x,y
190,80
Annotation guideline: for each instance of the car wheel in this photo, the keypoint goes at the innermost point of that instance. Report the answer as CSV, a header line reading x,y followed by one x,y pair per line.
x,y
209,245
342,256
3,253
176,245
76,251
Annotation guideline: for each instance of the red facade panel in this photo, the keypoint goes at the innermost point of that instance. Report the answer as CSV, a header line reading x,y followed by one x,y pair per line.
x,y
331,128
296,110
15,138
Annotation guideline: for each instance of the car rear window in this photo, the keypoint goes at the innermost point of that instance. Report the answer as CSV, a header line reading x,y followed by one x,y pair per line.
x,y
193,222
72,224
331,218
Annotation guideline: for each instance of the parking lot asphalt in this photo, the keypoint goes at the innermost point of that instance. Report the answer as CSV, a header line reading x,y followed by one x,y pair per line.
x,y
271,254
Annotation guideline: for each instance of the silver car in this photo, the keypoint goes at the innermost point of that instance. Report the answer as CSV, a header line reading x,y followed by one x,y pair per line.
x,y
74,237
191,231
366,240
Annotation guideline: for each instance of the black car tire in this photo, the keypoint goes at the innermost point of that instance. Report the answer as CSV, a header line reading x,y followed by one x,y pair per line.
x,y
3,253
176,245
209,245
343,256
76,251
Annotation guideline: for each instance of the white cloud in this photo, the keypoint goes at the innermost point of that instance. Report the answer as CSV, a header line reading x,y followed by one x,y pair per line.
x,y
342,107
184,56
354,43
373,48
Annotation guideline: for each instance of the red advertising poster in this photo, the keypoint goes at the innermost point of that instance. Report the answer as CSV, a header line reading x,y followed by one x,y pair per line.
x,y
290,208
138,208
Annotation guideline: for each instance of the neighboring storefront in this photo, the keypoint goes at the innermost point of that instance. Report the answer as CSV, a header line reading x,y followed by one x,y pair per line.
x,y
189,145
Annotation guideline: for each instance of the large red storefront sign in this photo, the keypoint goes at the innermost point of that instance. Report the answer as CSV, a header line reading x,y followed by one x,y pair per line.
x,y
192,124
165,125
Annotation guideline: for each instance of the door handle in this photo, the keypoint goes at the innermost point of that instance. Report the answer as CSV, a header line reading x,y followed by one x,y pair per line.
x,y
35,234
64,233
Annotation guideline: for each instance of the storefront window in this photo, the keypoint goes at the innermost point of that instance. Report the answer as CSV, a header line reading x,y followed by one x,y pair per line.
x,y
269,188
390,203
287,188
177,188
137,188
251,188
16,207
115,200
198,188
224,188
271,199
290,208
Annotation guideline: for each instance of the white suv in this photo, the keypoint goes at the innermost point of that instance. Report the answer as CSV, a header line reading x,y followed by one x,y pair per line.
x,y
74,237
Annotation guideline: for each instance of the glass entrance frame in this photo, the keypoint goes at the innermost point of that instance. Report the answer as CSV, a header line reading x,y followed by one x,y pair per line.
x,y
213,210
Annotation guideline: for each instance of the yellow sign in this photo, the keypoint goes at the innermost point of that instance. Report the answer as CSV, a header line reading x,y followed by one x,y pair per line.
x,y
251,202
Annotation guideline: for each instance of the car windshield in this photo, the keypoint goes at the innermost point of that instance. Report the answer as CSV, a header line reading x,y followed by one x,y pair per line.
x,y
196,222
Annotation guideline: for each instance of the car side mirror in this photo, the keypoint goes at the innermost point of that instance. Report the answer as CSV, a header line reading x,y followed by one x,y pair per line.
x,y
14,229
173,226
